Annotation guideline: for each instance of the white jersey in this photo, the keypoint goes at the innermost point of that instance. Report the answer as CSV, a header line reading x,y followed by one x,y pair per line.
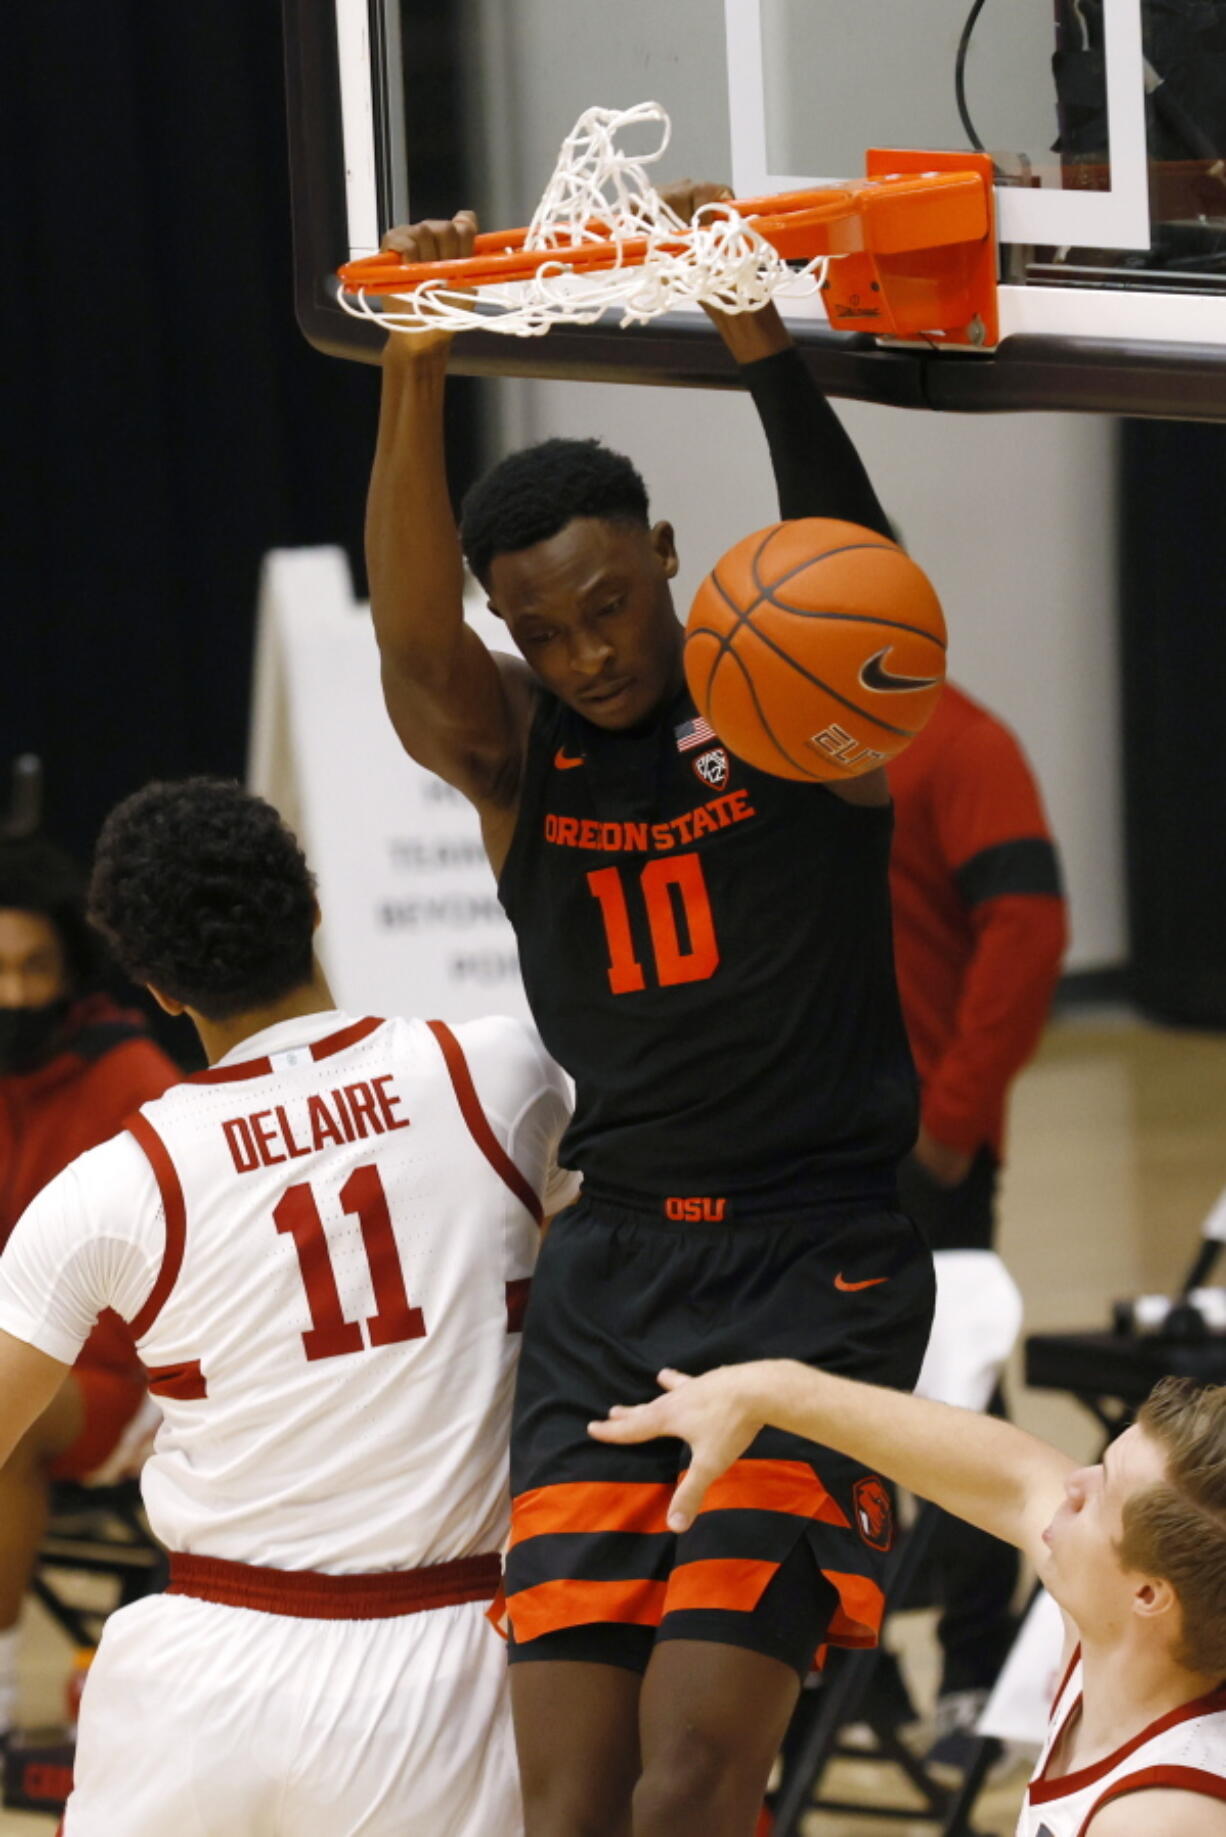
x,y
1184,1751
323,1246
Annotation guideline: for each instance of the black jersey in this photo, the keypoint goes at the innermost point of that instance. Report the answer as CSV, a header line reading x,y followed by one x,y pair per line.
x,y
707,950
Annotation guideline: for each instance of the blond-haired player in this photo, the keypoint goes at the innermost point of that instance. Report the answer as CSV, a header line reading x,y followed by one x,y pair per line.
x,y
1133,1549
323,1245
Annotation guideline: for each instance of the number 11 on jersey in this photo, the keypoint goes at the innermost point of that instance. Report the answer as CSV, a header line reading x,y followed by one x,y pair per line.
x,y
330,1335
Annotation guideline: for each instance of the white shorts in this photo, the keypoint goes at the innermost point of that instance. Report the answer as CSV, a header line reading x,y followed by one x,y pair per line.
x,y
200,1720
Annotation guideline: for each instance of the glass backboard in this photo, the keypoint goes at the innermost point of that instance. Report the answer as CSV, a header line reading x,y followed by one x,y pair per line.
x,y
1106,120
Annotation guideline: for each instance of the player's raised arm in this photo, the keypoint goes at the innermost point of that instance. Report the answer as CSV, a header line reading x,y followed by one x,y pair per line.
x,y
456,708
818,472
979,1468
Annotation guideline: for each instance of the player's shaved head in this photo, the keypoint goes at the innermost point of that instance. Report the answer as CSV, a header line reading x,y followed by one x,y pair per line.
x,y
203,892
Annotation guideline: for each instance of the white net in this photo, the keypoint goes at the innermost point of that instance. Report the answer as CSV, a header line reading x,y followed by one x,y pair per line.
x,y
600,193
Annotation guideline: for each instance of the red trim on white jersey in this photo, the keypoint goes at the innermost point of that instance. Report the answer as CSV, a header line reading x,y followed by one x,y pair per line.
x,y
478,1123
304,1594
1043,1790
154,1149
185,1382
260,1068
1149,1779
1067,1679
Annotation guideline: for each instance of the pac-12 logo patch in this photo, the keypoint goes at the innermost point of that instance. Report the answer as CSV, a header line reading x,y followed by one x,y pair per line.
x,y
712,767
874,1513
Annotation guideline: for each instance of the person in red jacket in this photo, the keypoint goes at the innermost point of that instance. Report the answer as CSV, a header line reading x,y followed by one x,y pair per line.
x,y
979,935
73,1067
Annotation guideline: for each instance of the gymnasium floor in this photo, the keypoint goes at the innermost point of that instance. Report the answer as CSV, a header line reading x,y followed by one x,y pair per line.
x,y
1118,1151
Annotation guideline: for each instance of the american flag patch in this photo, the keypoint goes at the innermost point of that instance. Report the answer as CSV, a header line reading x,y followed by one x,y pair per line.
x,y
694,733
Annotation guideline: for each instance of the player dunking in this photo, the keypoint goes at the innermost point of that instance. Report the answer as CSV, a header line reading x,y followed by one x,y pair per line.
x,y
707,951
322,1245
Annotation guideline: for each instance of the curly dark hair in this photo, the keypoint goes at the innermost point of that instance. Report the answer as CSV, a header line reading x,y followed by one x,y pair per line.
x,y
532,494
202,891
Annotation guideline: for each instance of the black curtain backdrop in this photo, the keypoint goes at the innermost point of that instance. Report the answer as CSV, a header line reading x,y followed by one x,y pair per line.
x,y
167,423
1173,609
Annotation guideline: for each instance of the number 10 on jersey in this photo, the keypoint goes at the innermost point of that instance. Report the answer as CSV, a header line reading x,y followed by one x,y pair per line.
x,y
673,889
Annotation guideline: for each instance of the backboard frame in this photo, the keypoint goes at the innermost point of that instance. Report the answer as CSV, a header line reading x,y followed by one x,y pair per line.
x,y
1164,355
1117,218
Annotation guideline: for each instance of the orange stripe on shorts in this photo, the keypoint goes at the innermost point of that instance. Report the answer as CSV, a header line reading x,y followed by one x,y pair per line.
x,y
856,1621
551,1605
774,1486
734,1583
590,1505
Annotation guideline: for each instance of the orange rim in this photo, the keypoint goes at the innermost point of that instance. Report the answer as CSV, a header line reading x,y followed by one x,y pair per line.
x,y
501,256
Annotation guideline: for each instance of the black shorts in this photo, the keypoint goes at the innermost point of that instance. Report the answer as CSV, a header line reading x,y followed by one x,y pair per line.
x,y
593,1572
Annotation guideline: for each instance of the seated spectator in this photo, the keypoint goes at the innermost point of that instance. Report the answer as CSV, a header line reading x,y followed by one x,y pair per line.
x,y
73,1067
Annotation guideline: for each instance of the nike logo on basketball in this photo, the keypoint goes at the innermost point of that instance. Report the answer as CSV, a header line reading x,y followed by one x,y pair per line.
x,y
874,675
564,762
850,1288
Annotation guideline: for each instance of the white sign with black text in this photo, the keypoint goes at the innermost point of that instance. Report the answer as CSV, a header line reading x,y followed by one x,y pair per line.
x,y
412,923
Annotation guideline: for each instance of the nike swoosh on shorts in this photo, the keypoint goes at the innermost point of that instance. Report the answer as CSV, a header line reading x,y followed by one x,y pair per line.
x,y
850,1288
564,761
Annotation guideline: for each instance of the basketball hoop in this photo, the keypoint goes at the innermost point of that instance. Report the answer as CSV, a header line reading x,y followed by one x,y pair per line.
x,y
912,246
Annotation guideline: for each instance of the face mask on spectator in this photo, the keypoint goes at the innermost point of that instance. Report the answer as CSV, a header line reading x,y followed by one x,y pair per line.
x,y
27,1035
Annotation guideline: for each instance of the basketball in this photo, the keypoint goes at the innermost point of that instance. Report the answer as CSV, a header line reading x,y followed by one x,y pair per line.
x,y
816,649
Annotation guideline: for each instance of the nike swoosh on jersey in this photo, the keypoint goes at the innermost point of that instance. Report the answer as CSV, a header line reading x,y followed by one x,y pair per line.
x,y
850,1288
564,762
874,675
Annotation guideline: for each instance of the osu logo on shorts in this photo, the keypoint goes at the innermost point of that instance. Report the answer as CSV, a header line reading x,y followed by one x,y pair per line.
x,y
698,1211
874,1513
712,767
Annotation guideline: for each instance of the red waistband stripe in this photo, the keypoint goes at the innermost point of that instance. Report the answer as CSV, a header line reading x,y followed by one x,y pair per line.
x,y
308,1595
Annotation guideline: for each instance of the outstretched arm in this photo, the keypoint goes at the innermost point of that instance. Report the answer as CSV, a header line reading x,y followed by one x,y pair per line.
x,y
457,709
986,1471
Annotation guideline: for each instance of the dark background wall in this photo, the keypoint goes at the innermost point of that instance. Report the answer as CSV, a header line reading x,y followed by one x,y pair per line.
x,y
1173,708
166,423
